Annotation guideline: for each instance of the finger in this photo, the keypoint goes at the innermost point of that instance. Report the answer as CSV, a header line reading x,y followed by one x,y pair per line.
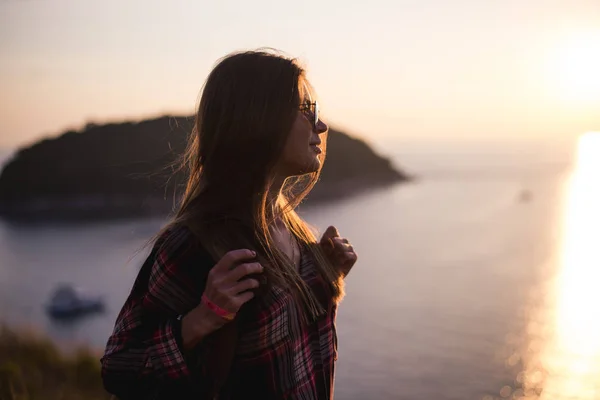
x,y
244,285
351,256
231,258
244,297
330,243
339,241
342,244
331,232
327,245
244,269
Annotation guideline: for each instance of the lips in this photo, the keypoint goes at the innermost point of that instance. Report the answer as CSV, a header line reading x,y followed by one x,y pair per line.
x,y
316,148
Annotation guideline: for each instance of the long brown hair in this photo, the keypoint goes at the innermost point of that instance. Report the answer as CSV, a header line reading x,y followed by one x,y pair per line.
x,y
246,111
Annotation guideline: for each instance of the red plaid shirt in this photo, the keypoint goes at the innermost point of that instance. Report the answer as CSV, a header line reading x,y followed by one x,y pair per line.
x,y
277,355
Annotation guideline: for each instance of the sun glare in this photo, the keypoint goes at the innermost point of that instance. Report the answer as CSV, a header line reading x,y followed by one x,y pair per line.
x,y
577,68
572,356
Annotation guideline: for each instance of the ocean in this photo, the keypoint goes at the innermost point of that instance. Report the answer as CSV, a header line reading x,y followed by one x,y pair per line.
x,y
460,292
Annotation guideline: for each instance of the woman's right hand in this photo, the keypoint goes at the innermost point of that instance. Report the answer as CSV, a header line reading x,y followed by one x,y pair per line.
x,y
226,288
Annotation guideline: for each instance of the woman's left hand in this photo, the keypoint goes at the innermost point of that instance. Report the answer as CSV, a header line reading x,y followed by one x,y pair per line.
x,y
339,251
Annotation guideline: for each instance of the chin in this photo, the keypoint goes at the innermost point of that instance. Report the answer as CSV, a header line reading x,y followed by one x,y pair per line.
x,y
314,165
309,168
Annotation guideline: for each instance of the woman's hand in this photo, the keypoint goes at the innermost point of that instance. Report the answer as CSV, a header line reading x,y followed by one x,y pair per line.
x,y
339,251
225,288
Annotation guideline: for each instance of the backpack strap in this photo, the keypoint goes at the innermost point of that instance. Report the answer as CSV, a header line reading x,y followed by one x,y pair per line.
x,y
220,357
220,344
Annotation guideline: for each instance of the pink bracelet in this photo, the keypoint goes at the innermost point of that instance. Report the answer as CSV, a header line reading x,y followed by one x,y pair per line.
x,y
217,310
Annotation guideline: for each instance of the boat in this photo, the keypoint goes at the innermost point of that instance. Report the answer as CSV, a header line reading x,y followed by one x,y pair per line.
x,y
68,301
525,196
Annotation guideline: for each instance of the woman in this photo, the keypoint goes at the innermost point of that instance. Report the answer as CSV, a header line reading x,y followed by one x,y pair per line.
x,y
237,298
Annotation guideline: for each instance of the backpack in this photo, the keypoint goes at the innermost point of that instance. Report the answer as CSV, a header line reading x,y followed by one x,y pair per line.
x,y
221,346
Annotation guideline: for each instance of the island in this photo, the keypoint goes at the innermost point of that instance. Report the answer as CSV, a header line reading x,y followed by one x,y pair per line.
x,y
125,170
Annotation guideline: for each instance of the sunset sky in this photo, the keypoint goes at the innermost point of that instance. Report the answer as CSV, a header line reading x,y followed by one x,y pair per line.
x,y
420,69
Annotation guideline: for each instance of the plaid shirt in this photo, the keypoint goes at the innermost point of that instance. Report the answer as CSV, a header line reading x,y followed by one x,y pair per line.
x,y
277,355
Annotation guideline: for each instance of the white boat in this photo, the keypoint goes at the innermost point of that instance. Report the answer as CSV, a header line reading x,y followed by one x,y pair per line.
x,y
68,301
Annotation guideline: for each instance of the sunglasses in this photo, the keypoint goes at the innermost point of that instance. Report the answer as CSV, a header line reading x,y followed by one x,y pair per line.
x,y
311,110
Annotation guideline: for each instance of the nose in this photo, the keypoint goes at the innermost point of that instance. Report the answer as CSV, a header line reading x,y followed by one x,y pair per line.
x,y
321,127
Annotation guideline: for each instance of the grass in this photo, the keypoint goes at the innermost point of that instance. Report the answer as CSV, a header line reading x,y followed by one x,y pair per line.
x,y
32,368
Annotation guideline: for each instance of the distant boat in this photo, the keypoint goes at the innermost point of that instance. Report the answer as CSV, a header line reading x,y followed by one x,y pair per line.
x,y
525,196
68,301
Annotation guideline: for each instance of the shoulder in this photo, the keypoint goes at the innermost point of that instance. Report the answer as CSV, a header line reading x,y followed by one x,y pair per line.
x,y
178,252
174,275
175,239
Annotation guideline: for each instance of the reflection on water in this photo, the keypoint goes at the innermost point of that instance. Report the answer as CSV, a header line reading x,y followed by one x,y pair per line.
x,y
570,359
444,282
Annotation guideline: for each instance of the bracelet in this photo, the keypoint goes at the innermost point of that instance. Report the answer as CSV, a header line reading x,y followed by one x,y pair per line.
x,y
217,310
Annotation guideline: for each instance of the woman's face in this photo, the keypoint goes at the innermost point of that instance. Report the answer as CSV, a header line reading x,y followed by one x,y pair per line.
x,y
301,151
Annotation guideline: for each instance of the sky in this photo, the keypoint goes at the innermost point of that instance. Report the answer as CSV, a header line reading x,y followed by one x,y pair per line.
x,y
429,70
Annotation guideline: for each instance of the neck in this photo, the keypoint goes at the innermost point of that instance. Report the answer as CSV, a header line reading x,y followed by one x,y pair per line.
x,y
273,196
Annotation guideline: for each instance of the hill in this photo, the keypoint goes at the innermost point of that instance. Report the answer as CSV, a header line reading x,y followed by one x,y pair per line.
x,y
119,169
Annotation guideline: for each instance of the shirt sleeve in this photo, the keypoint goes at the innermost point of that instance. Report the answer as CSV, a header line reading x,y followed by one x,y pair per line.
x,y
144,355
